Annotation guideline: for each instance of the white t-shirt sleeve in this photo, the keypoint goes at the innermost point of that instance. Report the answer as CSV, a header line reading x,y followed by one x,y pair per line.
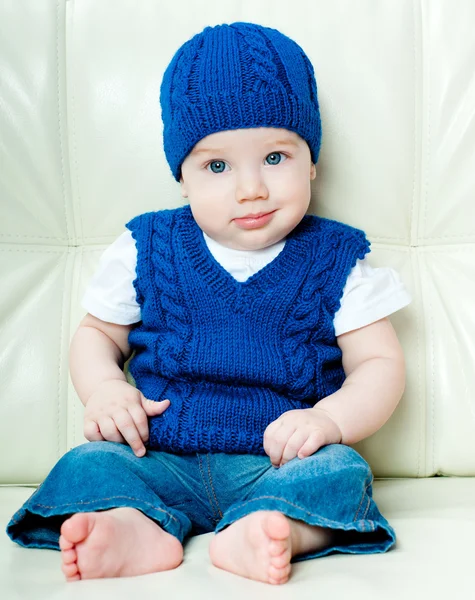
x,y
111,295
370,294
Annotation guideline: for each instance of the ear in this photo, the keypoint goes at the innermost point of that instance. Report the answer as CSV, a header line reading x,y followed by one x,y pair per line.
x,y
184,191
313,171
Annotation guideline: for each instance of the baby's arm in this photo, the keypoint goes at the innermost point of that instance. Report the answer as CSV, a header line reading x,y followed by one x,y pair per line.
x,y
374,366
115,410
97,354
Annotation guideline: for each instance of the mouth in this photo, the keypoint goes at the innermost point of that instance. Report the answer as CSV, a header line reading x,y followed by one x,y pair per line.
x,y
254,221
254,215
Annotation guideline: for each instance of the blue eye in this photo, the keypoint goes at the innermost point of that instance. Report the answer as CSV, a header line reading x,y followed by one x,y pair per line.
x,y
275,158
220,166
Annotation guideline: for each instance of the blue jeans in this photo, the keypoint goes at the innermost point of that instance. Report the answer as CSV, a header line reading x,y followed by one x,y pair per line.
x,y
199,493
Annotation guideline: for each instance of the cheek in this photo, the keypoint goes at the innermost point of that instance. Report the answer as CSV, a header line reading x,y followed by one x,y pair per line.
x,y
213,195
207,211
297,189
208,188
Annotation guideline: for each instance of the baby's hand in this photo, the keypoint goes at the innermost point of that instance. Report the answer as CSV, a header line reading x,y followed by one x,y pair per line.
x,y
117,412
299,433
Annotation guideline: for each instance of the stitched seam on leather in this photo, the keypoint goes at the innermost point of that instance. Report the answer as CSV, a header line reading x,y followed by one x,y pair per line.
x,y
413,203
422,438
428,111
74,141
433,418
60,124
60,371
60,250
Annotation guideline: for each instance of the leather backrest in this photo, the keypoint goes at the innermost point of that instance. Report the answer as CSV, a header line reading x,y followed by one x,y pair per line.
x,y
81,153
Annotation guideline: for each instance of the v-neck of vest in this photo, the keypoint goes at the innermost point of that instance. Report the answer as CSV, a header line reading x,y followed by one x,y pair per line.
x,y
223,283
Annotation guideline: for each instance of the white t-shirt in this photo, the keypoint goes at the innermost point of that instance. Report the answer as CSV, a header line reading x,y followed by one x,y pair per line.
x,y
369,294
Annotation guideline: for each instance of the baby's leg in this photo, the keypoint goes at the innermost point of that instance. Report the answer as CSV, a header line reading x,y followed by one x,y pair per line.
x,y
108,512
305,509
120,542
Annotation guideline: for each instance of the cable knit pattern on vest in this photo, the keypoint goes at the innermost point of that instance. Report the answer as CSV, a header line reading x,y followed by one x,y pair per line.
x,y
233,356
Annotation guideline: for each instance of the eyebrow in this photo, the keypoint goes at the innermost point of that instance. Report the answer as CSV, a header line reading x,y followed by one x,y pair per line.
x,y
217,150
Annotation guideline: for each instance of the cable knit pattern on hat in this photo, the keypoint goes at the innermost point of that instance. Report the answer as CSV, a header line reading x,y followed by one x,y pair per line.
x,y
237,76
233,356
261,59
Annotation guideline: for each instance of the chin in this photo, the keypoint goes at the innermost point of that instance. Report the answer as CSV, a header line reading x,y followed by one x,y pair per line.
x,y
263,242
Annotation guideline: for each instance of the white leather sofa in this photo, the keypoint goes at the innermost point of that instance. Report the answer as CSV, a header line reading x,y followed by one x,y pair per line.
x,y
81,153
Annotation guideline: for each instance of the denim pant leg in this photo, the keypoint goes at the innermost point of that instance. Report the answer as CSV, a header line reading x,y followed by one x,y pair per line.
x,y
332,489
103,475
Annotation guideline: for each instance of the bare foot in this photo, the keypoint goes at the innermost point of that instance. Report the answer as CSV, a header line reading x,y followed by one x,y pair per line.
x,y
120,542
260,545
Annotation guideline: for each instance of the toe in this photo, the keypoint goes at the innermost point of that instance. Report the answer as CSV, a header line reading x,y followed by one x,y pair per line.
x,y
275,573
70,570
78,527
277,526
281,561
277,547
278,581
69,556
279,575
64,543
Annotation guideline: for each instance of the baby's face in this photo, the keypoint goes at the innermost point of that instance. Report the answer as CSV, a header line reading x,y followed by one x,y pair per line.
x,y
248,188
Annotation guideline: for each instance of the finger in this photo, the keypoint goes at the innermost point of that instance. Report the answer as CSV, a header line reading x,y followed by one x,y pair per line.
x,y
92,431
272,428
271,448
109,430
140,419
314,442
125,424
278,443
153,408
294,443
276,431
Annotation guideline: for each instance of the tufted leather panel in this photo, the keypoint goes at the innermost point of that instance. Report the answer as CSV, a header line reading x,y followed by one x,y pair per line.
x,y
80,154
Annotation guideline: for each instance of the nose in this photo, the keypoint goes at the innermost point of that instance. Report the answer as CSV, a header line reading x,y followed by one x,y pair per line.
x,y
251,186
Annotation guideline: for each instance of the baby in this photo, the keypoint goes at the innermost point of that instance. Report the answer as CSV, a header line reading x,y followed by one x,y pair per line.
x,y
259,338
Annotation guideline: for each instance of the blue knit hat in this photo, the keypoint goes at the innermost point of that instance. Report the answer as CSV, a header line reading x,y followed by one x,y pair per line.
x,y
234,77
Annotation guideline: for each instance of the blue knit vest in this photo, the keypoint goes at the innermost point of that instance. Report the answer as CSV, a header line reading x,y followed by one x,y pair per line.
x,y
233,356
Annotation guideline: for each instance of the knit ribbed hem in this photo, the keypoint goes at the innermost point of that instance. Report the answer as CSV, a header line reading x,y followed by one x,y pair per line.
x,y
236,293
267,108
217,418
